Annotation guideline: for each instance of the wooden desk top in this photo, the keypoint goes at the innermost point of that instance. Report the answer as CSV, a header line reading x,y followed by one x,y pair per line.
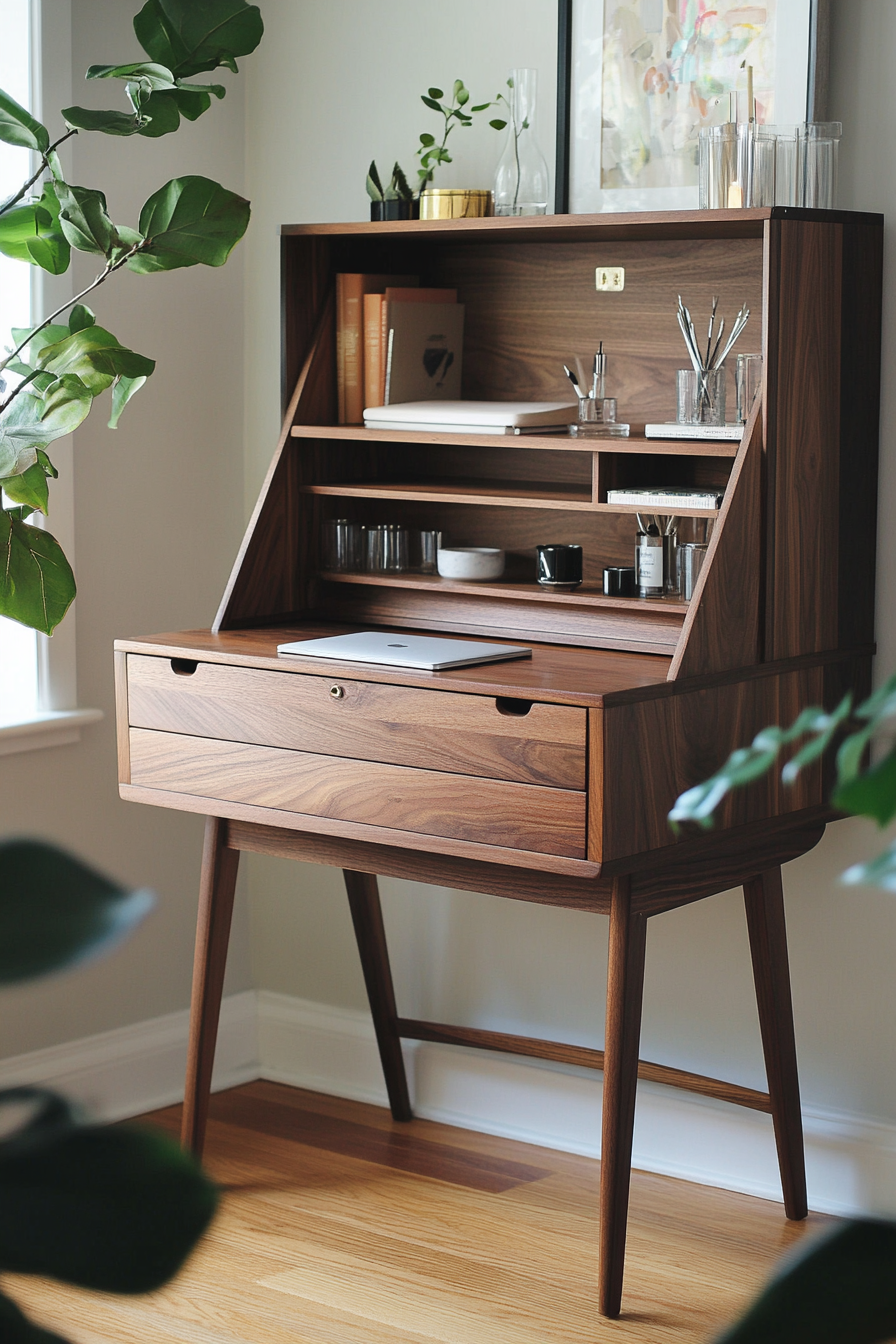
x,y
555,673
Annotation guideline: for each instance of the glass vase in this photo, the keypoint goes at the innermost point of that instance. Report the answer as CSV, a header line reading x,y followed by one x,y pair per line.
x,y
521,180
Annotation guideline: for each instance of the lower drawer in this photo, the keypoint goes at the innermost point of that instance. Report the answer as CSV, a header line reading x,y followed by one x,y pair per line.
x,y
427,802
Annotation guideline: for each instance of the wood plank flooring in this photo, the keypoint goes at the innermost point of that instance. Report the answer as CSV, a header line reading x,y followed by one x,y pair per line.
x,y
340,1227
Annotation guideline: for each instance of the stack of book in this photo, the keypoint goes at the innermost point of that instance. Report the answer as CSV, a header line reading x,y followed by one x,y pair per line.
x,y
395,342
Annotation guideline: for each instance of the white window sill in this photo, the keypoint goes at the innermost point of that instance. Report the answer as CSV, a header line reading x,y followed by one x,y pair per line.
x,y
55,728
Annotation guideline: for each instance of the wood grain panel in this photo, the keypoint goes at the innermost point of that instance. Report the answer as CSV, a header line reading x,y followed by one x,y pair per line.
x,y
435,730
653,631
655,750
428,802
804,440
121,718
264,576
721,629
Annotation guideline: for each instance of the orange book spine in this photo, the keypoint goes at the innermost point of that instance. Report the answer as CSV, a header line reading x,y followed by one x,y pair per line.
x,y
374,359
340,348
353,347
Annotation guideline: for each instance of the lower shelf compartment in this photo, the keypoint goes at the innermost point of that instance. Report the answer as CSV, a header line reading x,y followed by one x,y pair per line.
x,y
516,590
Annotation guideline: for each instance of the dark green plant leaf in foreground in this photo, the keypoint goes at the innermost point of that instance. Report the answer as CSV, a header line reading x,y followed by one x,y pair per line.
x,y
55,911
189,36
841,1290
155,75
190,220
872,794
15,1328
18,127
84,219
94,356
112,1209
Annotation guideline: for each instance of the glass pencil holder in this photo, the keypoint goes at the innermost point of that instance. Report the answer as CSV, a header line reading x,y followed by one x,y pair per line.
x,y
717,165
701,397
597,420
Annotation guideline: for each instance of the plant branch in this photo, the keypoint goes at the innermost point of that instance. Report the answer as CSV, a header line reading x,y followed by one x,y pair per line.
x,y
44,164
110,269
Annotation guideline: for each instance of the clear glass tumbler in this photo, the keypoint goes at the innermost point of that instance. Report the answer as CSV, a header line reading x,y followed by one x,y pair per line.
x,y
341,546
701,397
387,549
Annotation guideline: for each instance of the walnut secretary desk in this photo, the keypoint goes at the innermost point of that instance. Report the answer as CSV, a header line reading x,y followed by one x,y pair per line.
x,y
548,780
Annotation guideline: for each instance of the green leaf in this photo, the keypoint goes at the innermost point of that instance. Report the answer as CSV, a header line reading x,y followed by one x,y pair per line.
x,y
48,335
112,1209
51,251
461,95
84,219
29,488
877,872
54,165
872,794
373,184
427,140
400,184
31,233
110,123
66,403
37,587
80,318
122,391
95,356
840,1290
498,124
21,434
161,114
15,1328
436,93
19,225
481,107
18,127
431,103
157,76
190,220
188,37
55,911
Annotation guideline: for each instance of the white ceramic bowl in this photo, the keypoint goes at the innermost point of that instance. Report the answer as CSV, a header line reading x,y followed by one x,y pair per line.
x,y
470,562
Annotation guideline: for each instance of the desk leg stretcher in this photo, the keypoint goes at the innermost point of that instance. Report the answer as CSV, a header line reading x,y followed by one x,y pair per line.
x,y
619,1061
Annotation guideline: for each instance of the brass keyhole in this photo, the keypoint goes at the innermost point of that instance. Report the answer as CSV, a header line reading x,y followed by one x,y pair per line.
x,y
337,692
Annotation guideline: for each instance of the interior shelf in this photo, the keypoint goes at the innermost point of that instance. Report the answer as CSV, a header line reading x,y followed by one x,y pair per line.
x,y
545,442
514,495
588,594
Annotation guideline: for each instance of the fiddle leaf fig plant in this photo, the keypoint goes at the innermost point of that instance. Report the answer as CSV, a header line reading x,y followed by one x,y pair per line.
x,y
51,373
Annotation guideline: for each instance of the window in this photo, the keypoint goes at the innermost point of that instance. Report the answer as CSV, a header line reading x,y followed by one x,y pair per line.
x,y
37,675
18,646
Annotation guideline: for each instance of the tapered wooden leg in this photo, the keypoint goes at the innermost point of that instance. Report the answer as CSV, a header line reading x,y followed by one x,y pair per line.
x,y
367,917
764,900
625,985
216,887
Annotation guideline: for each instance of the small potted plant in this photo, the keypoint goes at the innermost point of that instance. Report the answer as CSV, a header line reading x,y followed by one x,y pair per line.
x,y
396,201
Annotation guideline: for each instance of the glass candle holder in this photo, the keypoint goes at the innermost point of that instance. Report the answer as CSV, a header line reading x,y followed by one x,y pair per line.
x,y
701,397
341,546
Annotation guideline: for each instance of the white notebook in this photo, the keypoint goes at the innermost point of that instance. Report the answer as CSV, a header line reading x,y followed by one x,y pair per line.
x,y
397,650
471,417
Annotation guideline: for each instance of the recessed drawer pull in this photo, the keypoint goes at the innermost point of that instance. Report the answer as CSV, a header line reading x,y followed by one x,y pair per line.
x,y
183,667
508,704
337,692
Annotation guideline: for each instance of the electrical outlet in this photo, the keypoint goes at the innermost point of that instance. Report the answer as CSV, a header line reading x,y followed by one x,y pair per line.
x,y
609,279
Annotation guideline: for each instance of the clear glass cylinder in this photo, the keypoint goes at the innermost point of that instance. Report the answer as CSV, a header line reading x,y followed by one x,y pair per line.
x,y
747,382
521,179
786,175
819,149
701,397
341,546
717,165
387,549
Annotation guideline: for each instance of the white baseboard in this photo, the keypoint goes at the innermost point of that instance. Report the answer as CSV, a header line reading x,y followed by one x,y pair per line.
x,y
851,1160
140,1068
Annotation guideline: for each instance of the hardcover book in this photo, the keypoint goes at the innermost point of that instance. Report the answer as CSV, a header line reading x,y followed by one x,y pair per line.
x,y
425,352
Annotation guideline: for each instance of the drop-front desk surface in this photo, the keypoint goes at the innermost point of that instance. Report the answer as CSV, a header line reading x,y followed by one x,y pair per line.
x,y
547,780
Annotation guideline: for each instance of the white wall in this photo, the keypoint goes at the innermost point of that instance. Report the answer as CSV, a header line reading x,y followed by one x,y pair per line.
x,y
157,523
333,86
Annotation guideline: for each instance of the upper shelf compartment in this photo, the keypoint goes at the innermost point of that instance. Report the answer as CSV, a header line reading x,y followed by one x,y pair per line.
x,y
637,443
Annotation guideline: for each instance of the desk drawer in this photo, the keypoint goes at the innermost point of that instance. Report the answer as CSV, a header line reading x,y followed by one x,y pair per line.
x,y
427,802
426,728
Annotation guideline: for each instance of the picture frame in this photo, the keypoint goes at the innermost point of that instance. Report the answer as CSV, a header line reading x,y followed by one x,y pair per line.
x,y
630,144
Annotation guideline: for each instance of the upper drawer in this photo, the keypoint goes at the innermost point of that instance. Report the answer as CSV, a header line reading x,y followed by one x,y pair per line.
x,y
403,725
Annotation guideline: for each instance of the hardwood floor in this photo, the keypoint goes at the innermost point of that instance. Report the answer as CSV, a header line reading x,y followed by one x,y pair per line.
x,y
339,1226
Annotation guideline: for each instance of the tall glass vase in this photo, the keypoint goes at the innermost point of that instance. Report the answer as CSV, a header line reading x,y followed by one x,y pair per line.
x,y
521,180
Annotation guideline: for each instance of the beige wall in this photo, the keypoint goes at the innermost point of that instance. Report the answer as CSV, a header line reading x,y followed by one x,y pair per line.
x,y
157,523
333,85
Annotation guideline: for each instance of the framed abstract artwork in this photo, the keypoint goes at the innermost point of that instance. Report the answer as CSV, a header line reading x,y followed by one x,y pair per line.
x,y
639,78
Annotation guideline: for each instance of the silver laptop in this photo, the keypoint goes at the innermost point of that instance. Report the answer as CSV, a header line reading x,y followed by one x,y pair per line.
x,y
421,651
